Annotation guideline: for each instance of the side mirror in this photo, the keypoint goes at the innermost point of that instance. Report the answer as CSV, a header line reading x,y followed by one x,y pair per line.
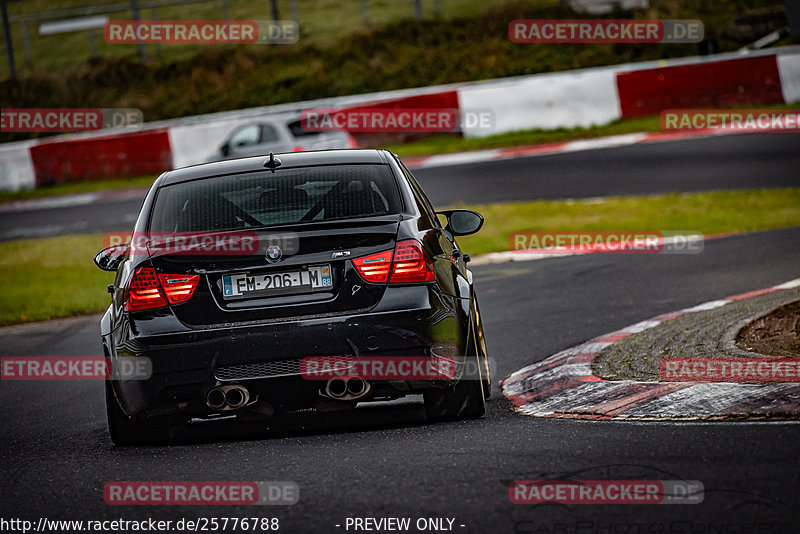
x,y
462,222
225,149
110,258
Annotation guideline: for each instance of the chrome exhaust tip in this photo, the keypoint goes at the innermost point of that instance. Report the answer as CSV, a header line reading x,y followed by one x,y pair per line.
x,y
336,388
346,389
215,399
236,396
357,387
227,397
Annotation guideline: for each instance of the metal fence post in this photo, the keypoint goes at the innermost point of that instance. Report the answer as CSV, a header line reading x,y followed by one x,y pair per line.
x,y
365,12
274,7
154,16
12,68
275,17
26,43
135,10
93,42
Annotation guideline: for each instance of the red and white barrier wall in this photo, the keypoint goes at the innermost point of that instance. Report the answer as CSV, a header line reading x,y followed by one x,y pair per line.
x,y
600,95
567,99
789,70
92,158
720,84
16,166
558,100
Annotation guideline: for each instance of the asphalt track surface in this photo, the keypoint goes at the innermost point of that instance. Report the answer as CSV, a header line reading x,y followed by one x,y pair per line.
x,y
722,162
388,462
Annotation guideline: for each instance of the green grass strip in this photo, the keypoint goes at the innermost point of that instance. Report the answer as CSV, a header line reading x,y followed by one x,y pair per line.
x,y
55,277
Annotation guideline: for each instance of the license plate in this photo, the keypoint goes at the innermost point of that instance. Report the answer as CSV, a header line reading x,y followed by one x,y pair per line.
x,y
253,285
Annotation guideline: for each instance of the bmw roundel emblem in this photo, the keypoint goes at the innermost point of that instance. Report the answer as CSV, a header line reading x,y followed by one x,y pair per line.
x,y
274,254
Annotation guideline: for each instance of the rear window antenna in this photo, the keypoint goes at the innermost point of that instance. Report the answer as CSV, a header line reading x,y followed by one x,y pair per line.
x,y
272,163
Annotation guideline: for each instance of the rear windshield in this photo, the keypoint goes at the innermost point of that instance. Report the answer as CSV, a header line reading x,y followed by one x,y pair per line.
x,y
288,196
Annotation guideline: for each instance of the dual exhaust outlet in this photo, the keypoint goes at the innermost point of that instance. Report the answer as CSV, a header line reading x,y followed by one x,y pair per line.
x,y
233,397
350,388
227,397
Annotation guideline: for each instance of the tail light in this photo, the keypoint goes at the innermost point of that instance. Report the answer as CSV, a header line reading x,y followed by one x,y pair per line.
x,y
408,263
351,142
375,267
298,148
147,290
143,291
178,287
411,264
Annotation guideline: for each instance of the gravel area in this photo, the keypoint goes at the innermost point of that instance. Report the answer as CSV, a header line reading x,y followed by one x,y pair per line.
x,y
709,333
775,334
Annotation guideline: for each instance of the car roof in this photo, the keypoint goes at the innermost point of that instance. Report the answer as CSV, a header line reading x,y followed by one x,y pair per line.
x,y
288,160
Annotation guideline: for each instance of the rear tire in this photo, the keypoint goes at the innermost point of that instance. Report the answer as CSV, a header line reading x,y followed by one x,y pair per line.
x,y
464,401
126,431
483,358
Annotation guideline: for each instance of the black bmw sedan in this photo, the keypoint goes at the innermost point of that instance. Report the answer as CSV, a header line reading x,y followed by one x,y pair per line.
x,y
273,284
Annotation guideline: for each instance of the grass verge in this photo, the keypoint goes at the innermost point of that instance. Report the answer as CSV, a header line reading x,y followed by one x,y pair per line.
x,y
442,144
55,277
710,213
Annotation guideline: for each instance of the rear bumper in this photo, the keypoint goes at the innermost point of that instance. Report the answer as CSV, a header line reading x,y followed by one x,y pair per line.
x,y
265,358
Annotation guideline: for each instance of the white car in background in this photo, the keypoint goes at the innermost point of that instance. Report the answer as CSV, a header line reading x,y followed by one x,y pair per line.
x,y
279,136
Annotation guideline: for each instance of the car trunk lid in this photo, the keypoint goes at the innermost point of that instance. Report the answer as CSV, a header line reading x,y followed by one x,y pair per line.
x,y
305,270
